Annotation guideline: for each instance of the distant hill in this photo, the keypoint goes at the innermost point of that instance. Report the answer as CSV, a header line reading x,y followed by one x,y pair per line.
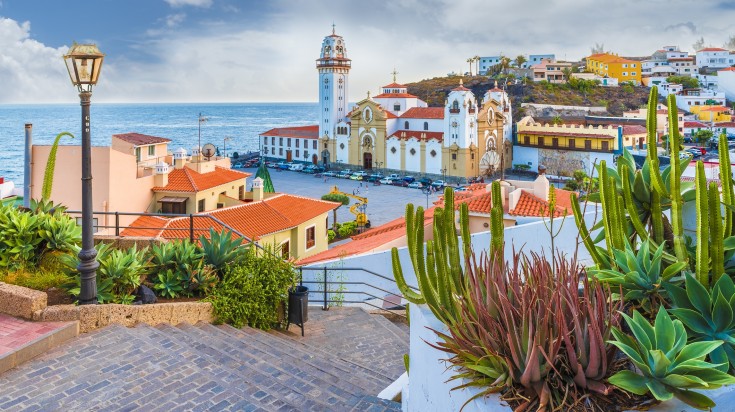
x,y
616,99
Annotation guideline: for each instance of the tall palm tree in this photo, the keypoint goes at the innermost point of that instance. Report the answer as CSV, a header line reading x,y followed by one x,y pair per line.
x,y
504,64
567,72
477,64
520,59
470,61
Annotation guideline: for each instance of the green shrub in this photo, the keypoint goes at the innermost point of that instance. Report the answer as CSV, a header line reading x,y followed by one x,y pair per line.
x,y
334,197
331,235
252,291
347,229
39,279
220,249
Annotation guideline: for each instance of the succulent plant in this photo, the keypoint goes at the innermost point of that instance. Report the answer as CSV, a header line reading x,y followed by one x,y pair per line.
x,y
641,275
669,367
708,315
220,249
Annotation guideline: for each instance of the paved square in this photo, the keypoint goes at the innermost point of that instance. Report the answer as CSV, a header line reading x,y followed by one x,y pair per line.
x,y
385,202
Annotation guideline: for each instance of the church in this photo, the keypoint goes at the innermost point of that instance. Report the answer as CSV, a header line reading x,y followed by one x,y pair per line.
x,y
395,130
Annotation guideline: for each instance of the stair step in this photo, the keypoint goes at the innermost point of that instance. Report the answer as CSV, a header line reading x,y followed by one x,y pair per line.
x,y
399,333
22,340
374,404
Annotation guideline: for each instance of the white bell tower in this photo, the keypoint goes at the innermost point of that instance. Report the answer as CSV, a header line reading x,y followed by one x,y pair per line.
x,y
334,68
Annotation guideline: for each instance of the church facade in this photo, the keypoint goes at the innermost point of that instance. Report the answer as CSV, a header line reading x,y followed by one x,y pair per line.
x,y
395,130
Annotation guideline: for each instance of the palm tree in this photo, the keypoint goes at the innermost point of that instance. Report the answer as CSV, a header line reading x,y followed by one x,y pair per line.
x,y
477,64
567,72
470,61
504,64
520,60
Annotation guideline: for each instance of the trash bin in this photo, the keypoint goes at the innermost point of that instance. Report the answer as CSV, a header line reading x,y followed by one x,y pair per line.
x,y
298,307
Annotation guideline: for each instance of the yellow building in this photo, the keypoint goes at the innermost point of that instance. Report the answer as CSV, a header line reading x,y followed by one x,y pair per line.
x,y
562,149
611,65
712,113
295,225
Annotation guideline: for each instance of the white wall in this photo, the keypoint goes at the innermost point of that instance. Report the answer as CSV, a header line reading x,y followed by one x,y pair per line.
x,y
726,83
433,164
393,160
413,161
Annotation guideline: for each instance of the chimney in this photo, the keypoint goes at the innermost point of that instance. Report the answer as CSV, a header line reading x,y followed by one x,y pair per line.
x,y
27,167
541,184
257,189
160,178
179,158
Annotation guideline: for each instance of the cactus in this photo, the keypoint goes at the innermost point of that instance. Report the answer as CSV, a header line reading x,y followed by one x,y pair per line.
x,y
674,182
702,263
438,267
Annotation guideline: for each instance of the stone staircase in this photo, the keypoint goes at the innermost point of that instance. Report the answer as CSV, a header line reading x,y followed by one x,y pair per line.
x,y
347,357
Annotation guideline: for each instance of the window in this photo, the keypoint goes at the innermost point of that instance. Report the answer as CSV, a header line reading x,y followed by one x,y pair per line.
x,y
220,205
174,207
314,145
632,65
632,73
241,192
625,66
265,140
280,152
288,142
555,142
200,206
297,153
571,143
297,143
426,125
284,250
310,237
273,141
396,107
137,154
280,141
605,146
540,141
405,125
526,139
454,156
326,224
625,73
151,151
588,144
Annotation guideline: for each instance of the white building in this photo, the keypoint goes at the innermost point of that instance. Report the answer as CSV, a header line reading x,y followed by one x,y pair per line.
x,y
687,98
489,61
726,82
715,57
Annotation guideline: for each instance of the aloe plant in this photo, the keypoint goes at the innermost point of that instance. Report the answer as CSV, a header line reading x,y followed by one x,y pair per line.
x,y
669,367
48,175
221,249
642,275
708,315
168,284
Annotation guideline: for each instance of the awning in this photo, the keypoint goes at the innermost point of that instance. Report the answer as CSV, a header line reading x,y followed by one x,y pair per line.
x,y
172,199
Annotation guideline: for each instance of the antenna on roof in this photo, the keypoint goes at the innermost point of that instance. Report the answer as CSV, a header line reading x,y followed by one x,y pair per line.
x,y
394,73
333,25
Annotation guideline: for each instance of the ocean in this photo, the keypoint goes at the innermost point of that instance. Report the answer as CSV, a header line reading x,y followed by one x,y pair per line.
x,y
178,122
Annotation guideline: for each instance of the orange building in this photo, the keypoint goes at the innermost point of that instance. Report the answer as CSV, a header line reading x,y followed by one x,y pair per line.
x,y
611,65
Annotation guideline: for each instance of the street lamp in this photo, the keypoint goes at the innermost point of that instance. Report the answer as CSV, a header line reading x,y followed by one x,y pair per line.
x,y
444,175
84,61
427,191
224,143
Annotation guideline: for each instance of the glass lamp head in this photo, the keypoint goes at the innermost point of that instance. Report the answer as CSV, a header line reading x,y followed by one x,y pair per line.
x,y
84,63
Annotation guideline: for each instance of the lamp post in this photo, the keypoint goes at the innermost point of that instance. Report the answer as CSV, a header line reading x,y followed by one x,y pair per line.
x,y
427,191
224,144
202,119
444,175
84,61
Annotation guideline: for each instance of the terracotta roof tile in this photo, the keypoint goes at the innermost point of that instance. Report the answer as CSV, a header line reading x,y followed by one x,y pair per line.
x,y
188,180
531,206
301,132
424,113
725,124
138,139
729,69
710,49
418,134
694,124
146,226
395,95
394,85
254,220
634,129
715,109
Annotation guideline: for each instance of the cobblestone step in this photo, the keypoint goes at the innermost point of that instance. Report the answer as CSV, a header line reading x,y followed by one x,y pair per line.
x,y
371,403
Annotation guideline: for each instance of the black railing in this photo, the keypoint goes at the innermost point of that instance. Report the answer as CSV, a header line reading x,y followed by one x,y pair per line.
x,y
368,290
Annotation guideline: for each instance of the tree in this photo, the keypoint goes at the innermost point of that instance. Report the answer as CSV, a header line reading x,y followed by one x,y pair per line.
x,y
730,43
703,136
520,60
699,44
686,81
597,48
557,120
470,61
567,72
504,64
477,64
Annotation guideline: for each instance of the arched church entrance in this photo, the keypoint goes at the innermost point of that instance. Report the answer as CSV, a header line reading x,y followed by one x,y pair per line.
x,y
315,159
325,158
367,161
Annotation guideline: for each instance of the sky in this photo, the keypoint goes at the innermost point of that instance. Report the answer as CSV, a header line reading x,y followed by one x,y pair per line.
x,y
265,50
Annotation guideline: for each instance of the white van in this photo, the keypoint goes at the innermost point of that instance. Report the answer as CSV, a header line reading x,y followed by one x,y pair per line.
x,y
296,167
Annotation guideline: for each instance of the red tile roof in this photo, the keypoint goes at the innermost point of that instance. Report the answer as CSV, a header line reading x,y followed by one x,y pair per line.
x,y
138,139
254,220
694,124
724,124
368,241
302,132
424,113
708,49
715,109
418,134
394,85
634,129
532,206
729,69
395,95
189,180
461,88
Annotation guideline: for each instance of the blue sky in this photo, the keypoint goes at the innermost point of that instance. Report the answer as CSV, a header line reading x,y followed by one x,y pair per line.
x,y
240,50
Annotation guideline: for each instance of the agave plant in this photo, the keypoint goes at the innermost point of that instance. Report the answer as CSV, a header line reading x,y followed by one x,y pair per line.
x,y
125,268
669,367
168,284
19,237
708,315
641,275
60,233
221,249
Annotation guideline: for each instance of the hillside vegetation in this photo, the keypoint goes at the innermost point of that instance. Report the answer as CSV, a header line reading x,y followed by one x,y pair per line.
x,y
615,99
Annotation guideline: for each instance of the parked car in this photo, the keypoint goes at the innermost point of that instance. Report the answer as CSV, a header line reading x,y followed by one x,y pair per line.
x,y
360,175
400,182
439,184
296,167
387,181
310,169
394,176
694,152
271,164
284,165
686,154
409,179
687,139
703,150
415,185
344,174
460,189
425,181
329,174
374,177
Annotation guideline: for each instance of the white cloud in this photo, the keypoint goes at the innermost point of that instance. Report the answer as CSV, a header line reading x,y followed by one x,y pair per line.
x,y
173,20
194,3
31,71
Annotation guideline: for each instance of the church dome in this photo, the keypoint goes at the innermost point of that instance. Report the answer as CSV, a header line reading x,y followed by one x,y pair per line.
x,y
333,47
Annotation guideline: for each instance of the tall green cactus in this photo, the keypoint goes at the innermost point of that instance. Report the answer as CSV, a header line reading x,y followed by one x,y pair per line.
x,y
438,267
728,197
48,175
497,229
702,263
677,201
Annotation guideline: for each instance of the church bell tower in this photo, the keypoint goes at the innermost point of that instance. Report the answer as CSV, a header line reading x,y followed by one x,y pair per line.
x,y
334,69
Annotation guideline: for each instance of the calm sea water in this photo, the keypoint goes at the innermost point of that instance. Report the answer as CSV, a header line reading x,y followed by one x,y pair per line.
x,y
178,122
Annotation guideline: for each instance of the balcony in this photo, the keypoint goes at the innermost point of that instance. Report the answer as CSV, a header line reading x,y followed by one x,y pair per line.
x,y
454,111
565,148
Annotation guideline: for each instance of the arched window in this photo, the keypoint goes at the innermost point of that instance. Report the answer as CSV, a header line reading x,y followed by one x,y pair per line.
x,y
426,125
405,125
455,105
